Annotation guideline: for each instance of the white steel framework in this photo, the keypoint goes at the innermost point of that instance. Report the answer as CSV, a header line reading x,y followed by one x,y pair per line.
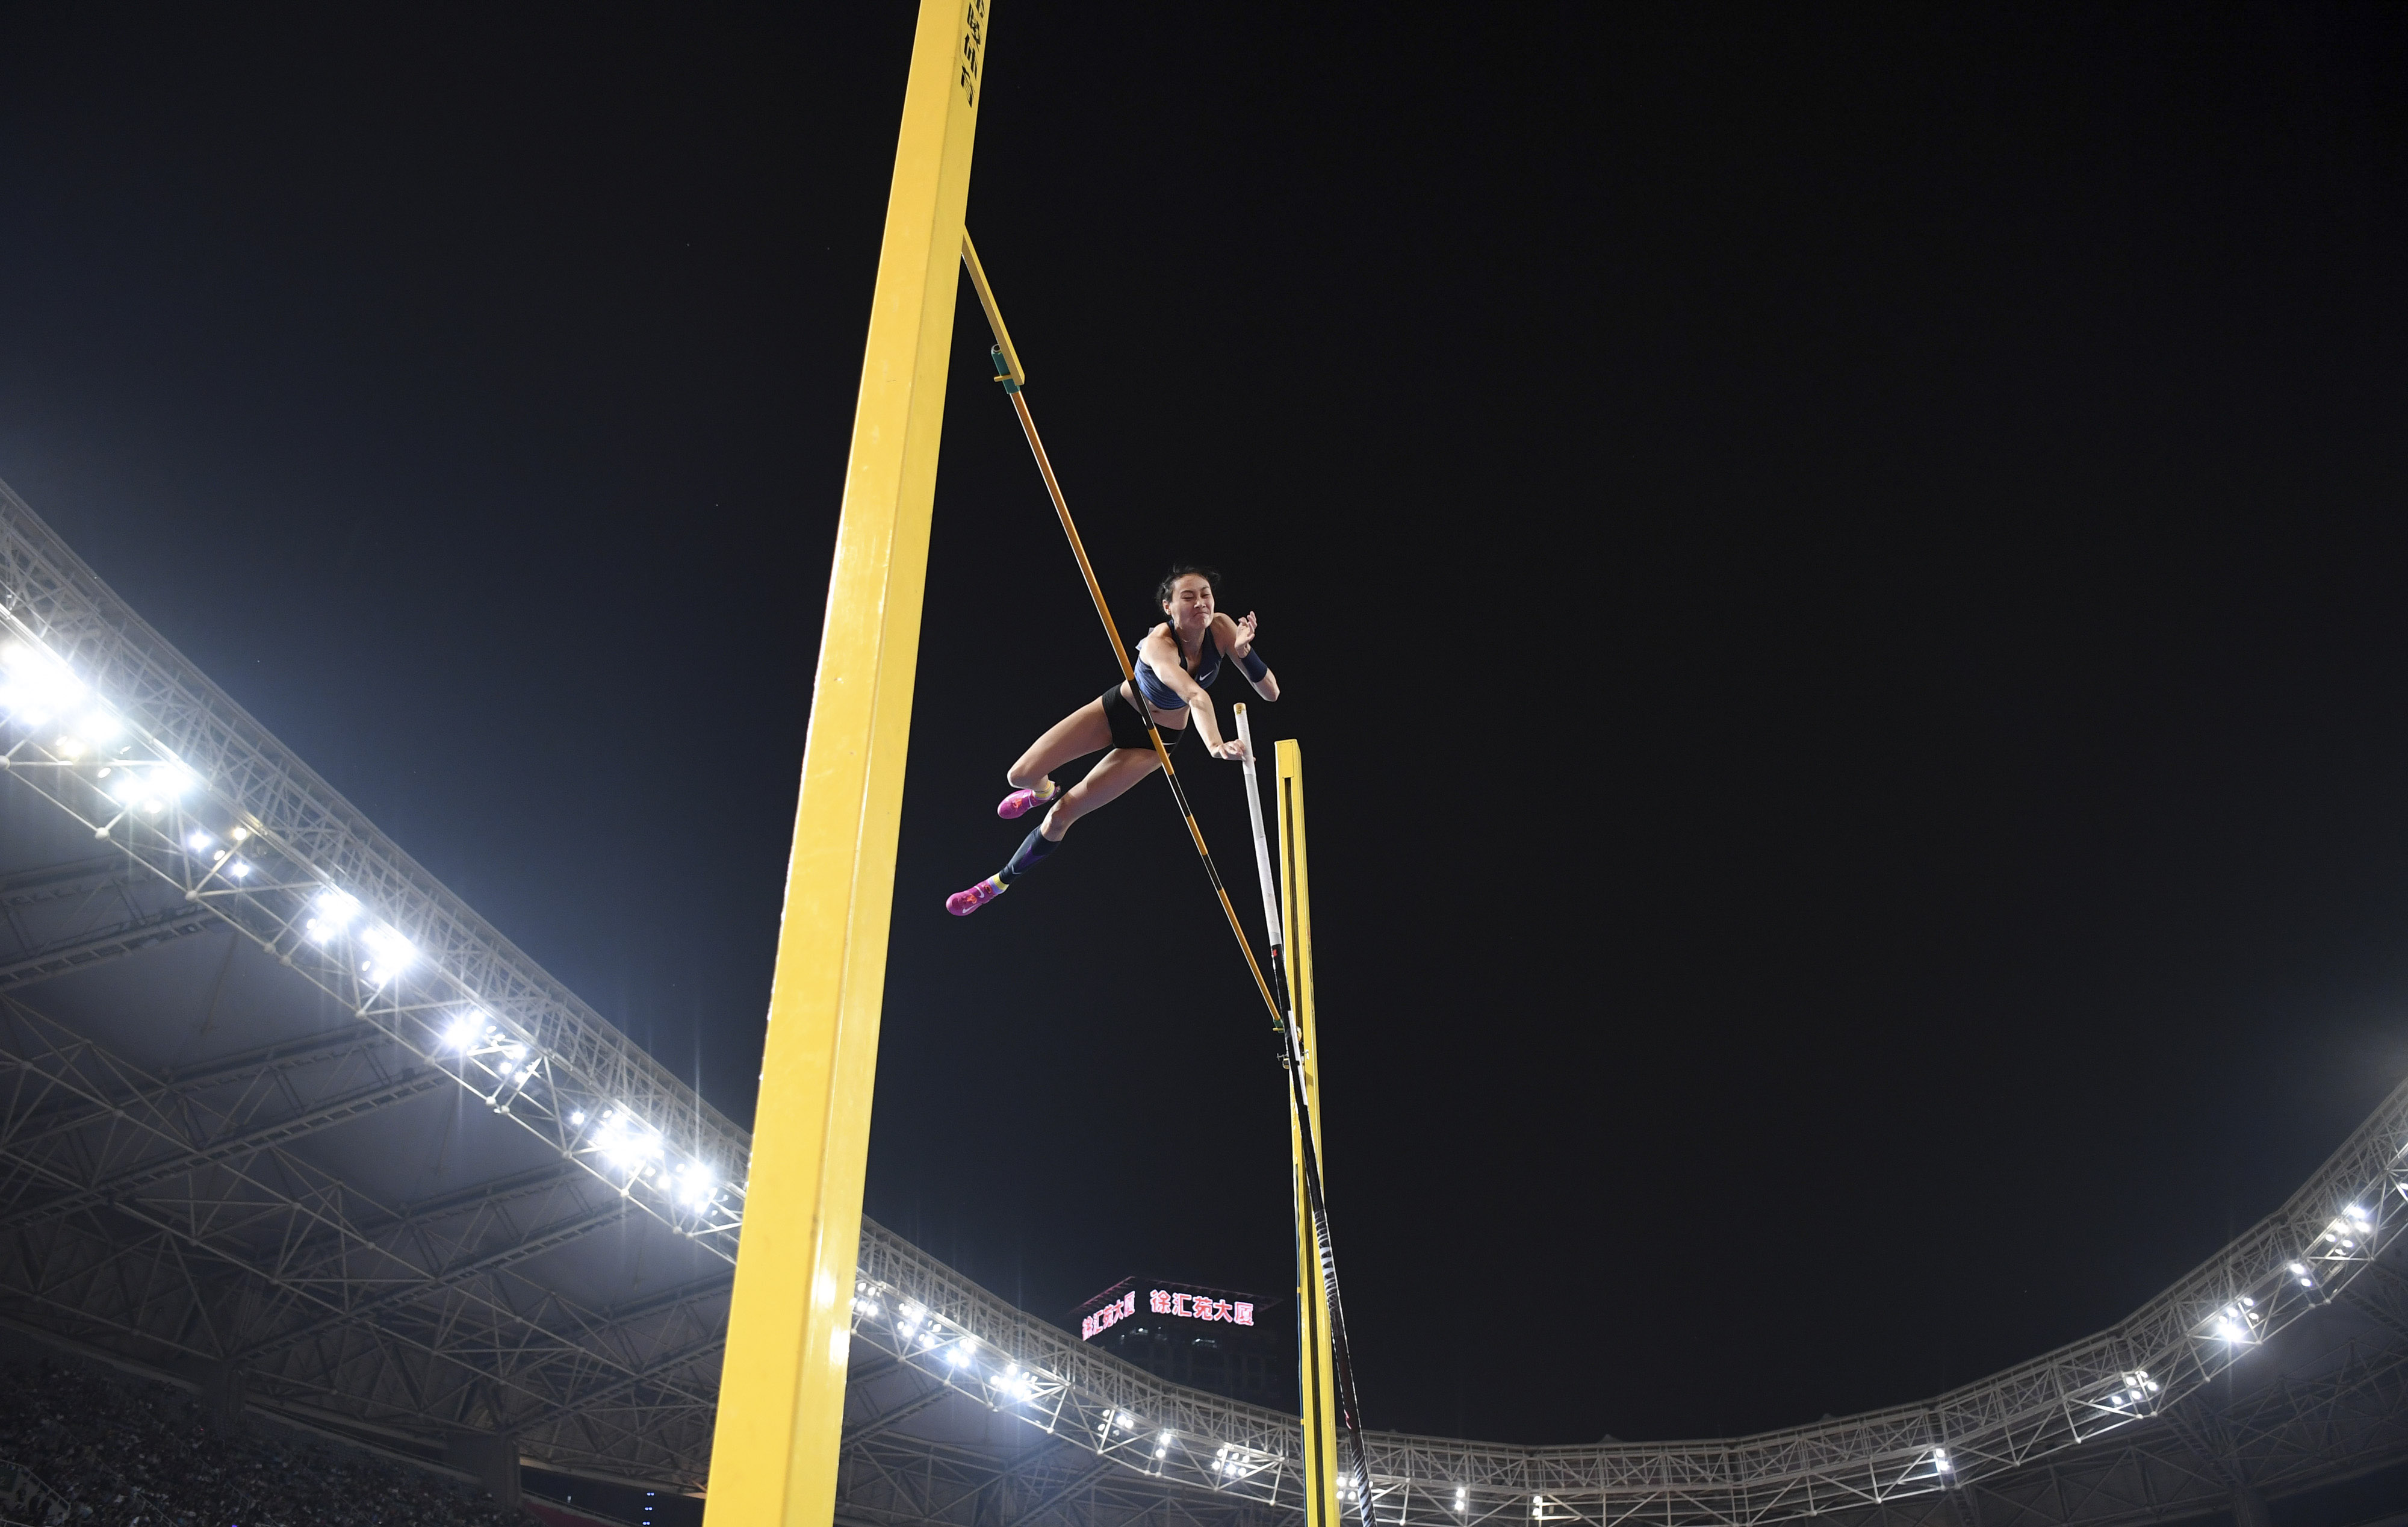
x,y
120,730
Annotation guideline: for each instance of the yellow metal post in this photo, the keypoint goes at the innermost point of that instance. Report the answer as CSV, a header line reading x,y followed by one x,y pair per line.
x,y
782,1392
1322,1461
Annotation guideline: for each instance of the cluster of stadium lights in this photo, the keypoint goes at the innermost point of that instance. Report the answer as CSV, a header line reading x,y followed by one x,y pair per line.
x,y
43,696
918,1330
2238,1322
37,690
915,1329
2348,1235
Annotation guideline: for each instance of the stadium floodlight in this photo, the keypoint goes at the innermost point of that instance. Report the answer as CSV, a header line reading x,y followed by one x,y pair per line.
x,y
149,790
69,747
953,1355
336,910
695,1184
577,1116
913,1310
99,728
36,686
624,1144
389,954
514,1050
199,842
239,870
1128,1422
1939,1461
465,1029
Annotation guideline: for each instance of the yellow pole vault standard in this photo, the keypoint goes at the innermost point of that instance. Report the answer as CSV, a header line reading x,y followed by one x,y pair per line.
x,y
1321,1465
782,1392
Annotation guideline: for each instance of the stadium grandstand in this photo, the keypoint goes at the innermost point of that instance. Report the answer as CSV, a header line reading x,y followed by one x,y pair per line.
x,y
290,1129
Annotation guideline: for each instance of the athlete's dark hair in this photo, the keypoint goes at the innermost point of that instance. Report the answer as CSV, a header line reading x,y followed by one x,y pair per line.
x,y
1170,585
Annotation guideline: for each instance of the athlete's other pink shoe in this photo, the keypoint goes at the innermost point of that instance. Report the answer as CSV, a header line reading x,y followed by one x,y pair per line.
x,y
962,904
1020,802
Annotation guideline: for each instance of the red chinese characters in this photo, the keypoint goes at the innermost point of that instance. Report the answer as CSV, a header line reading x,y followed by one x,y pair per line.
x,y
1110,1315
1201,1308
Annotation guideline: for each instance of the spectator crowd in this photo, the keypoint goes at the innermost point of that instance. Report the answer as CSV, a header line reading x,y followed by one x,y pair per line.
x,y
124,1452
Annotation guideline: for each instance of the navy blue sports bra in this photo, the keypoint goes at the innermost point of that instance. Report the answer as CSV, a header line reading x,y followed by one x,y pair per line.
x,y
1160,695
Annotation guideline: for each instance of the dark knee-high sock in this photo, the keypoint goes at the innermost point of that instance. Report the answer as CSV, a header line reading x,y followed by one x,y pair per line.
x,y
1032,849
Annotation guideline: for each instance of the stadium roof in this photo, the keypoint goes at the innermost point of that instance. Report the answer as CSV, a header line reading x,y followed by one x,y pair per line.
x,y
284,1114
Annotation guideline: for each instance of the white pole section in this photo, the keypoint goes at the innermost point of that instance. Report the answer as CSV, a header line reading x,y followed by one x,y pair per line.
x,y
1262,846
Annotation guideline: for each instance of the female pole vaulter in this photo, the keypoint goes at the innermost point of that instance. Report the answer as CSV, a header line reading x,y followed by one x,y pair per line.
x,y
1177,662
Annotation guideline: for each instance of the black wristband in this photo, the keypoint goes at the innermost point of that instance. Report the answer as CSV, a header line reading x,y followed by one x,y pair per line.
x,y
1252,661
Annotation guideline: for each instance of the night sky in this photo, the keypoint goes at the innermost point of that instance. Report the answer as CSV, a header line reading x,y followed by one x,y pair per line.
x,y
1839,578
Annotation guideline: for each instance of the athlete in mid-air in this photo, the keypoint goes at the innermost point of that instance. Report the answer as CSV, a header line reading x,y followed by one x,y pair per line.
x,y
1176,663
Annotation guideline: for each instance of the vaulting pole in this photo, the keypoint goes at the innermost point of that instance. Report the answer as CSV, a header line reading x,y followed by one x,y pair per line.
x,y
782,1392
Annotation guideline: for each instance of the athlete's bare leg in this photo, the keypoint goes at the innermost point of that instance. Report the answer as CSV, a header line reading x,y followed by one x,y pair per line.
x,y
1110,778
1085,731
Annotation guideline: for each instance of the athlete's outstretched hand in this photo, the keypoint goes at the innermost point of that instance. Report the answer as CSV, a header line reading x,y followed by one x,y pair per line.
x,y
1232,751
1245,635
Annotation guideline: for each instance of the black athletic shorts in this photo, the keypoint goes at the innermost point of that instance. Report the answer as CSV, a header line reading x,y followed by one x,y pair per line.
x,y
1128,727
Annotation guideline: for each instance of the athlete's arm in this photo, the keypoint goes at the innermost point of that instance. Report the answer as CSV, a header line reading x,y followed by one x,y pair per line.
x,y
1236,639
1161,654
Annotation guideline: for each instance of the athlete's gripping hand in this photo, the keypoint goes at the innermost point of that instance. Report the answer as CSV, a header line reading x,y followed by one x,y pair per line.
x,y
1232,751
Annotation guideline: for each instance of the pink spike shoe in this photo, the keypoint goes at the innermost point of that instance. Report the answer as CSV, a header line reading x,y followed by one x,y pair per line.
x,y
962,904
1020,802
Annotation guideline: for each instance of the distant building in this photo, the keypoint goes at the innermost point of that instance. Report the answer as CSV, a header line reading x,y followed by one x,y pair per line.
x,y
1239,1344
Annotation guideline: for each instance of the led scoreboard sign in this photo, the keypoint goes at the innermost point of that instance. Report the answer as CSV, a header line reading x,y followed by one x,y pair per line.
x,y
1186,1306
